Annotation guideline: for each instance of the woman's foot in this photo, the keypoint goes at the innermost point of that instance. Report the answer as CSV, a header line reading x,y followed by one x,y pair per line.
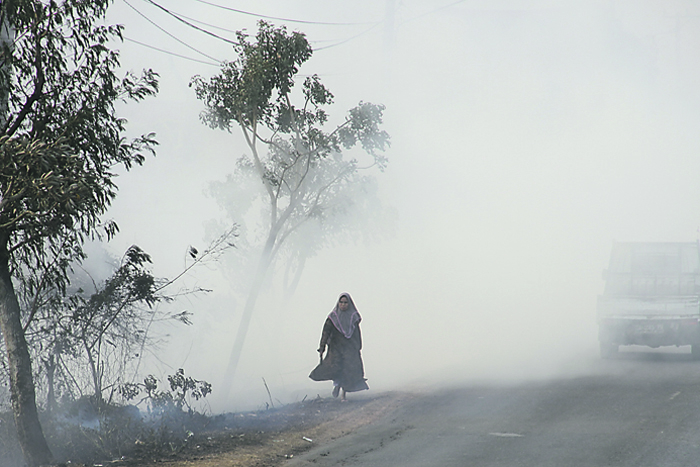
x,y
343,399
336,390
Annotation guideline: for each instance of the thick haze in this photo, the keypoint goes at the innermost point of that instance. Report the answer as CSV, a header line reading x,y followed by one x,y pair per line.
x,y
526,137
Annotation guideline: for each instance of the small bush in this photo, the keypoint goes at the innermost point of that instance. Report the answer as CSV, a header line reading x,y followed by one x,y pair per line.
x,y
88,431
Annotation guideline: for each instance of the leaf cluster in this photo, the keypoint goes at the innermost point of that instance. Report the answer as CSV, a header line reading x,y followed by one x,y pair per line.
x,y
61,78
90,336
113,314
47,190
247,86
255,89
129,284
60,136
80,337
182,389
295,152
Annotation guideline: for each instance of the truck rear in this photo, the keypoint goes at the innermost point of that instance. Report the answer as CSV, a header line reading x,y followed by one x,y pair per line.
x,y
651,297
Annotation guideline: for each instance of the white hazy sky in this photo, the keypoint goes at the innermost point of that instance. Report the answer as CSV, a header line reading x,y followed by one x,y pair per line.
x,y
526,137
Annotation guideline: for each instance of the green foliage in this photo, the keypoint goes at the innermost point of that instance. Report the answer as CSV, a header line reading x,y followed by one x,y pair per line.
x,y
63,82
255,89
305,174
88,432
244,89
175,400
61,137
92,342
91,336
131,283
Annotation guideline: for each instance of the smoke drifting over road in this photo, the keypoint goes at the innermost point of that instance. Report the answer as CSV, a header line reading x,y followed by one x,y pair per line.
x,y
526,137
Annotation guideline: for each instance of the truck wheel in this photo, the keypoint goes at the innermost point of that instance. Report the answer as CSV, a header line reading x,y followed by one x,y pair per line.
x,y
608,349
695,351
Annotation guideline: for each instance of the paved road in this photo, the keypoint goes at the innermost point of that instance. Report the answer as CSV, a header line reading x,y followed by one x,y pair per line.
x,y
642,409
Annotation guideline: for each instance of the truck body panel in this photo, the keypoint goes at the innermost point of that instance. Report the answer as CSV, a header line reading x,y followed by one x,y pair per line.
x,y
651,296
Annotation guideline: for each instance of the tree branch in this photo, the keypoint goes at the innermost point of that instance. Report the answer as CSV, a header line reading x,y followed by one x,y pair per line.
x,y
38,88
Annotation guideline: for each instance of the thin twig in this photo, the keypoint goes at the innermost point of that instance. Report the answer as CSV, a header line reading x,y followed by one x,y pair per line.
x,y
268,393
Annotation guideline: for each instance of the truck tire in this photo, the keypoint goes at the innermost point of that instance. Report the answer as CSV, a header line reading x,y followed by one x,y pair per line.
x,y
695,351
609,350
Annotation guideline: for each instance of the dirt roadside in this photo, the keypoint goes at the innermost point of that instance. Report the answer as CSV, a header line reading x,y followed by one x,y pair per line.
x,y
269,438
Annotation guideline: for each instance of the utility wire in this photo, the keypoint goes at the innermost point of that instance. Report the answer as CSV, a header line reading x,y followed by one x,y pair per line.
x,y
400,24
177,17
171,53
169,34
346,40
183,18
213,26
289,20
180,16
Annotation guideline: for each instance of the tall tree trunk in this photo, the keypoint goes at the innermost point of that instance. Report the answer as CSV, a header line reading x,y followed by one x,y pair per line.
x,y
50,365
22,396
261,271
31,437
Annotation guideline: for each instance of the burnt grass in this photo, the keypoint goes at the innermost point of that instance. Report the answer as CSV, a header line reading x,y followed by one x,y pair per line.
x,y
244,439
262,438
229,432
268,438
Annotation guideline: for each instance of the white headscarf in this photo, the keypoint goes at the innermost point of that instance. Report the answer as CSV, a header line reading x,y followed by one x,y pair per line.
x,y
345,321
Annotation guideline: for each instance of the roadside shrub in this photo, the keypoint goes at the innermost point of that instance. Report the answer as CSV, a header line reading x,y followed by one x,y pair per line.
x,y
89,431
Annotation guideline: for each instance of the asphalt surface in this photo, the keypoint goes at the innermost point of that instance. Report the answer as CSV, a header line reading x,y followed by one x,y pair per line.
x,y
640,409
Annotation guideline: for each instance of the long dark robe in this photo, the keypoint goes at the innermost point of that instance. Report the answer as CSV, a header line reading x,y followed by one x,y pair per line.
x,y
343,361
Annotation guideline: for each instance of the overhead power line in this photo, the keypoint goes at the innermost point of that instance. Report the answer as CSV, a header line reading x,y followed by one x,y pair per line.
x,y
277,18
184,19
179,18
213,26
346,40
171,35
171,53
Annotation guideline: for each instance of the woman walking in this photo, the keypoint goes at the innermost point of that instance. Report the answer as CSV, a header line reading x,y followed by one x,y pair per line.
x,y
343,362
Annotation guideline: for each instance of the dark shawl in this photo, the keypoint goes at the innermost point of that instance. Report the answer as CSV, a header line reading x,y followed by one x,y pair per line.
x,y
343,362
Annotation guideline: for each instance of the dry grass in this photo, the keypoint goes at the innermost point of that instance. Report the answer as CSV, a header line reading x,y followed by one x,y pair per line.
x,y
267,439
